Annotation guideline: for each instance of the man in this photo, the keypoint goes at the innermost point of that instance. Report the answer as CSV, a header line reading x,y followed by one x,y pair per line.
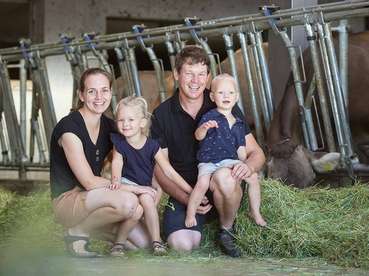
x,y
173,125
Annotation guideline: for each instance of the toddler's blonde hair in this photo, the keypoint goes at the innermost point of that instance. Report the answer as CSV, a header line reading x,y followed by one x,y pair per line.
x,y
139,102
223,76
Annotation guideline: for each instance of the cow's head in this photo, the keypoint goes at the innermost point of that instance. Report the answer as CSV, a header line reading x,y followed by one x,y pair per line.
x,y
291,164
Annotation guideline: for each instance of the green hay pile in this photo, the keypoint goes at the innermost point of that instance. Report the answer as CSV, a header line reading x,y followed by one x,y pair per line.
x,y
316,222
327,223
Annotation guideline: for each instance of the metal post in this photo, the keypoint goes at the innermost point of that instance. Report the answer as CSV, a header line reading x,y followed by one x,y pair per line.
x,y
178,43
157,63
172,59
265,73
311,38
22,100
254,106
332,95
339,94
15,141
47,106
343,57
306,119
4,148
228,40
133,65
159,70
124,72
38,136
213,63
259,78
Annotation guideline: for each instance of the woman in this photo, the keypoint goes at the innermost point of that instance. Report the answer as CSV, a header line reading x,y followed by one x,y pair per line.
x,y
82,200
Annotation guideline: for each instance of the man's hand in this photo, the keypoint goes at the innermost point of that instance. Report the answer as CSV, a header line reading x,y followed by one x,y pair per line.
x,y
203,209
204,200
241,171
139,190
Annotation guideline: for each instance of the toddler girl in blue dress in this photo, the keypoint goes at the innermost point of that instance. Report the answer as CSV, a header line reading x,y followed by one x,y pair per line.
x,y
134,157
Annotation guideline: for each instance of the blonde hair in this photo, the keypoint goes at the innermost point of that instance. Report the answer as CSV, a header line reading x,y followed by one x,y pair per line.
x,y
223,76
140,102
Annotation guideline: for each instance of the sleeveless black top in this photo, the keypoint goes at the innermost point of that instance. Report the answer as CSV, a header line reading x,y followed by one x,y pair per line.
x,y
62,178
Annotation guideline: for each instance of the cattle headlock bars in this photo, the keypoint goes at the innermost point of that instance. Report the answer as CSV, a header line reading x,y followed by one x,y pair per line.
x,y
247,28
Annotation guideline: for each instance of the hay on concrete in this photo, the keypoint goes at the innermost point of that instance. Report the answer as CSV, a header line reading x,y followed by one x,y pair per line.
x,y
316,222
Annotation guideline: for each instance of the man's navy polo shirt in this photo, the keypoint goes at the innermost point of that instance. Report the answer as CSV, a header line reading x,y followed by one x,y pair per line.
x,y
174,129
222,142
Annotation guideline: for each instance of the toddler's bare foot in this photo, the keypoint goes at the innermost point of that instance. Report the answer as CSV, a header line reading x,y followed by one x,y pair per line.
x,y
258,219
190,221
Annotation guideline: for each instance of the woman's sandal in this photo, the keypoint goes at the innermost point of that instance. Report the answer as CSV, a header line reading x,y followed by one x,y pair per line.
x,y
78,246
159,248
117,250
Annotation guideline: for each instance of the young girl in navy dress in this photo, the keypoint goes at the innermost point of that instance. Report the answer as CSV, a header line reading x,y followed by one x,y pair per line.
x,y
134,157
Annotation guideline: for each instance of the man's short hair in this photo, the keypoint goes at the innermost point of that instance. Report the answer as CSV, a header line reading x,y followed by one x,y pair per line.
x,y
192,54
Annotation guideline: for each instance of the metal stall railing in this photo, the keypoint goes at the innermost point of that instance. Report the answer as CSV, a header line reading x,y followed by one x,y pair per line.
x,y
248,29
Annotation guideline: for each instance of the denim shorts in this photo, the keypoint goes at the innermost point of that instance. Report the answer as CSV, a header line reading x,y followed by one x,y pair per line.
x,y
126,181
210,168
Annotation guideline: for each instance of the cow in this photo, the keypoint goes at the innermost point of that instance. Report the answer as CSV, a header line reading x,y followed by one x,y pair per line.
x,y
288,159
149,87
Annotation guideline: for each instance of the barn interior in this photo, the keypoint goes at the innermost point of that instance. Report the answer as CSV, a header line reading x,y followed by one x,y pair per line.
x,y
43,21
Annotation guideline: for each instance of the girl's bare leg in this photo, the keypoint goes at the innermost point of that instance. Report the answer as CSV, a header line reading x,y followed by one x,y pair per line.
x,y
151,216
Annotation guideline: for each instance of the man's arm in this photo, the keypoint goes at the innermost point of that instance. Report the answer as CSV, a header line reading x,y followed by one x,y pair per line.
x,y
255,157
254,162
169,186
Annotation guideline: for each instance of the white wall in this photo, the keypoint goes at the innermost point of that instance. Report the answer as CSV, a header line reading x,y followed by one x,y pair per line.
x,y
77,17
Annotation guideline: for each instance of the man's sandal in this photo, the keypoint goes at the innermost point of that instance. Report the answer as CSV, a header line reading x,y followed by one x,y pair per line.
x,y
78,246
117,250
159,248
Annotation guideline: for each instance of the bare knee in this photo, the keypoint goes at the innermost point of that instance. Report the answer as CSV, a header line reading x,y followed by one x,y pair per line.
x,y
181,245
185,241
147,201
127,205
224,183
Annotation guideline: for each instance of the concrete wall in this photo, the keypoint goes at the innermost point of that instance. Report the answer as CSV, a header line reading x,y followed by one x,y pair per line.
x,y
76,17
89,15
